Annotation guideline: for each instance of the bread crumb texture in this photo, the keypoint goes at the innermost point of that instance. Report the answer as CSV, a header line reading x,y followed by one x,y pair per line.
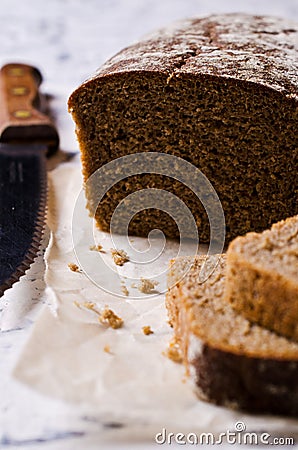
x,y
173,351
97,248
124,290
106,316
147,286
120,257
147,330
74,267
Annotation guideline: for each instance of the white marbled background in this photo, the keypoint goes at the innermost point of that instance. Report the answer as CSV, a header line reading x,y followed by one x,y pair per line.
x,y
68,40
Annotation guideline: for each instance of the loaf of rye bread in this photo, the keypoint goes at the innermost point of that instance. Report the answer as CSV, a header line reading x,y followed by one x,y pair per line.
x,y
232,362
262,277
220,92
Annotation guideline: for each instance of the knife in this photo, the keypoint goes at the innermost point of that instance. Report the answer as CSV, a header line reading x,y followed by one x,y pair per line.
x,y
27,138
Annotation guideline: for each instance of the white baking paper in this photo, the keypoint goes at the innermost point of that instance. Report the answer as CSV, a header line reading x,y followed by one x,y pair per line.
x,y
66,356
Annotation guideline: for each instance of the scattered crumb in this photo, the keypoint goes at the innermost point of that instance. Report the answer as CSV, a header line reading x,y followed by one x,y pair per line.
x,y
74,267
87,305
124,290
147,286
147,330
173,351
119,256
107,349
106,317
171,75
97,248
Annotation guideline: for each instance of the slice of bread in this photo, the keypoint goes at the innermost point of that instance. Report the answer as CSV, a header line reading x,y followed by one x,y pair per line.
x,y
262,277
232,362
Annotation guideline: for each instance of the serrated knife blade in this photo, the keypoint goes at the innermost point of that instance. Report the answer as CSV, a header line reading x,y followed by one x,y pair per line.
x,y
27,136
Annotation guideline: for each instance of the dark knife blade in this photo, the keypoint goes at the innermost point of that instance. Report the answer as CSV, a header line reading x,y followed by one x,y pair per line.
x,y
29,137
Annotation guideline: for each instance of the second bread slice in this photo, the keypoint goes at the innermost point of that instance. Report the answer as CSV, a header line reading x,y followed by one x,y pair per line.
x,y
232,362
262,277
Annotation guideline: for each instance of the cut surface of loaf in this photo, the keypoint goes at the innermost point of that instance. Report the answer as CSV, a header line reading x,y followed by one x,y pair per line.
x,y
220,92
262,277
231,361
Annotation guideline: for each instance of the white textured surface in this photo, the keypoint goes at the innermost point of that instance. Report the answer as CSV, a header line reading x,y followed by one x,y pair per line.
x,y
68,40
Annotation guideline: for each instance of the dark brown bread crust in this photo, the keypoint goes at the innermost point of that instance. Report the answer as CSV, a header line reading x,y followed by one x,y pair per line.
x,y
250,384
259,49
221,92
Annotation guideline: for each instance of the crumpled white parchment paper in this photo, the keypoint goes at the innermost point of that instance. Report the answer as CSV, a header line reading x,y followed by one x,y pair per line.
x,y
134,383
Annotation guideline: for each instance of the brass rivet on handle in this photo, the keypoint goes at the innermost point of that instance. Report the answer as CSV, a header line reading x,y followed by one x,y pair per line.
x,y
19,90
16,72
22,114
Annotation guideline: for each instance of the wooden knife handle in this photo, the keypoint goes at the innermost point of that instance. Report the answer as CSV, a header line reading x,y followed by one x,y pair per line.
x,y
21,121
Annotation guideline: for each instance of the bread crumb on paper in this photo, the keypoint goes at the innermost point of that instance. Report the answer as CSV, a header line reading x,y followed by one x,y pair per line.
x,y
147,330
106,317
74,267
147,286
107,349
97,248
124,290
87,305
173,351
120,257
